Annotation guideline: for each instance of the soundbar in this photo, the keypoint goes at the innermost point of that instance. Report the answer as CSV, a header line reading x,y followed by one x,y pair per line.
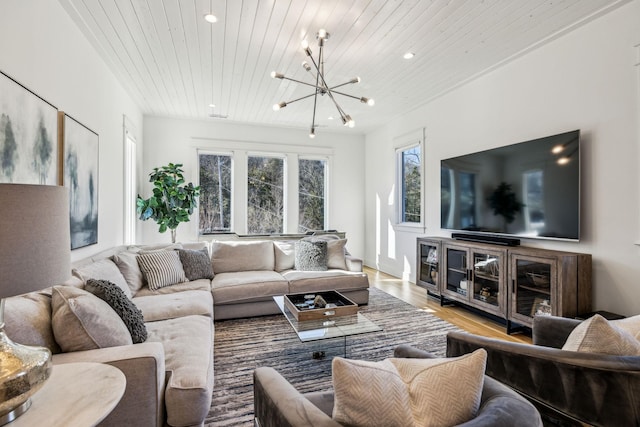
x,y
482,238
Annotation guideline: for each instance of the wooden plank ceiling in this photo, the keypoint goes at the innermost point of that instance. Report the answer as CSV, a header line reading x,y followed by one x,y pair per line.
x,y
176,64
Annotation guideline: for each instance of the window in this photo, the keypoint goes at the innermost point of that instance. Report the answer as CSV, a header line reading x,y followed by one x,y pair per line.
x,y
265,198
130,193
311,195
534,200
215,193
410,184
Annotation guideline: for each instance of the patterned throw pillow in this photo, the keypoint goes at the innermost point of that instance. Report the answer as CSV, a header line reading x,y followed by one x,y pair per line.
x,y
123,306
161,269
597,335
408,392
311,255
196,263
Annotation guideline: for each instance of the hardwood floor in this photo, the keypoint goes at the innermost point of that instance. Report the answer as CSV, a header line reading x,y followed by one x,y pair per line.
x,y
461,317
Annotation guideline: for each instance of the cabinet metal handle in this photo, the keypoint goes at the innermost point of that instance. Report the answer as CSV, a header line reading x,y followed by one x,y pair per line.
x,y
513,286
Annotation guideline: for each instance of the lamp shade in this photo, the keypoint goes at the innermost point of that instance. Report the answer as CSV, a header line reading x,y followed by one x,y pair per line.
x,y
35,247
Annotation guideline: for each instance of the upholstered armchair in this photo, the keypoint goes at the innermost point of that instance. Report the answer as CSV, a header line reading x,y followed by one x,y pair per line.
x,y
566,386
278,404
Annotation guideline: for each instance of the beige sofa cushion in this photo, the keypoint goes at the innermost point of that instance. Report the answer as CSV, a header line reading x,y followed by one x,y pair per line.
x,y
176,304
242,256
340,280
245,286
82,321
408,392
194,285
188,348
28,320
104,269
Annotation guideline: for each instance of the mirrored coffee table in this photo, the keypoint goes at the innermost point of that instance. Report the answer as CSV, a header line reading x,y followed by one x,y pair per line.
x,y
334,328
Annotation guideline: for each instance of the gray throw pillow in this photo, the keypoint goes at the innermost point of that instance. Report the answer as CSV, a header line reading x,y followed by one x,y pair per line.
x,y
196,263
311,256
123,306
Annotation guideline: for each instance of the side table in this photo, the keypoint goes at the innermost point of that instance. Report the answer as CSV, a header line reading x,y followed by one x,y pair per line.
x,y
76,394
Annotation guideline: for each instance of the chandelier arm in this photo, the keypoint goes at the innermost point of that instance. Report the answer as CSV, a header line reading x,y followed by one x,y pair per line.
x,y
345,94
299,99
300,81
343,84
325,87
315,102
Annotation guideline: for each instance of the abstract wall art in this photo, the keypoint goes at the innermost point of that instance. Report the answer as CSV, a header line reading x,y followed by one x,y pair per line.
x,y
81,178
29,149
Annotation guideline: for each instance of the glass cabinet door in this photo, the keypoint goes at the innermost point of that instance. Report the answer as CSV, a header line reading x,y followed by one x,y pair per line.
x,y
486,278
533,280
457,271
429,264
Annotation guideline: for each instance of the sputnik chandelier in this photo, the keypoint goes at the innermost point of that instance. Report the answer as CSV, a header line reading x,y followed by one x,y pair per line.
x,y
320,87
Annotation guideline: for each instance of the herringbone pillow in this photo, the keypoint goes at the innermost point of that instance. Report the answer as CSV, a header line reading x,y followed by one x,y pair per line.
x,y
408,392
629,324
161,269
597,335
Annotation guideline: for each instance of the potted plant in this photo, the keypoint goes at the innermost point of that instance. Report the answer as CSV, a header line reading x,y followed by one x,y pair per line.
x,y
172,201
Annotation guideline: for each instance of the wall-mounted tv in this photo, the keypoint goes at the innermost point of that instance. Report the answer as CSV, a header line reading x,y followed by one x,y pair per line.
x,y
530,189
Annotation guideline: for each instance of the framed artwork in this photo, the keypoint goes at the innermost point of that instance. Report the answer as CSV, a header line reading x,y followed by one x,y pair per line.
x,y
29,149
81,178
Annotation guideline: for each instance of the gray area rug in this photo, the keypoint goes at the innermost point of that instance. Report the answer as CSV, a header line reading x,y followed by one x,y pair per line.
x,y
242,345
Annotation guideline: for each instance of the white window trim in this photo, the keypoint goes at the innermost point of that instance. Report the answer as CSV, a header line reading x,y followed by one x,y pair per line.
x,y
130,165
411,139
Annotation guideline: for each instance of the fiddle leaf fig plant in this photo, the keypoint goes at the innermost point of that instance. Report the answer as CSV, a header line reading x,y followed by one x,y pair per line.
x,y
172,201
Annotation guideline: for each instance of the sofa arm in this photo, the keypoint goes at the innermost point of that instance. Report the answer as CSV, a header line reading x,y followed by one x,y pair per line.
x,y
593,388
144,369
278,404
552,331
353,263
405,351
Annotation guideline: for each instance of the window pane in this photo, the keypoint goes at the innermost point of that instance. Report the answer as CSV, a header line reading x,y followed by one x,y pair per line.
x,y
311,195
265,204
215,193
411,185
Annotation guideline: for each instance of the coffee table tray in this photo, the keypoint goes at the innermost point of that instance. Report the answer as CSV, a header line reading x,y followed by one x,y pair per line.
x,y
338,305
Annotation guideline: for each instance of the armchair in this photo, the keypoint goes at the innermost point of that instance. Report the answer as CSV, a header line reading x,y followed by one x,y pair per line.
x,y
278,403
570,387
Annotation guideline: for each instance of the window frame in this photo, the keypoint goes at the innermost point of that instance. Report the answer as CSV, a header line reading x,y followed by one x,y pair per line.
x,y
402,144
325,159
130,184
231,155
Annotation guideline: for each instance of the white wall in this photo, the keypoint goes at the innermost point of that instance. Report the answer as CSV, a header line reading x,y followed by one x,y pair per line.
x,y
175,140
41,47
588,80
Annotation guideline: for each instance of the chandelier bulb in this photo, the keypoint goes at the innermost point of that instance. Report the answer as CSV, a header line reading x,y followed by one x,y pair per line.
x,y
306,65
369,101
276,107
312,134
308,51
355,80
322,34
305,44
275,75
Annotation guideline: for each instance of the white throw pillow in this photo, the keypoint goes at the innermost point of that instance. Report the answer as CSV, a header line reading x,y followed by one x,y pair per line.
x,y
336,254
82,321
629,324
408,392
285,253
597,335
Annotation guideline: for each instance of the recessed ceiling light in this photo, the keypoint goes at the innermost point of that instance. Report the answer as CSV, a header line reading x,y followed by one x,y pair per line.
x,y
212,105
330,117
409,55
210,18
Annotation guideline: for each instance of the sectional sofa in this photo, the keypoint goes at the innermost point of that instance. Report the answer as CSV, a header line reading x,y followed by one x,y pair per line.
x,y
170,374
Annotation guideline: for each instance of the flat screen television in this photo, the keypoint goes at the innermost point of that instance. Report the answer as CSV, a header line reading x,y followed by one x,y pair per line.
x,y
530,190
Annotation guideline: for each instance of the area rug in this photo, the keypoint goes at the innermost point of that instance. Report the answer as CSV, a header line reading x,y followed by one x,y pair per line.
x,y
242,345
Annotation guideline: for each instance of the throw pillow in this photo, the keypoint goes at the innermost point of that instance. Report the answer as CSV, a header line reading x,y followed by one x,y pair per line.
x,y
311,255
123,306
82,321
285,252
161,269
336,254
597,335
104,269
27,320
629,324
408,392
196,263
127,262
